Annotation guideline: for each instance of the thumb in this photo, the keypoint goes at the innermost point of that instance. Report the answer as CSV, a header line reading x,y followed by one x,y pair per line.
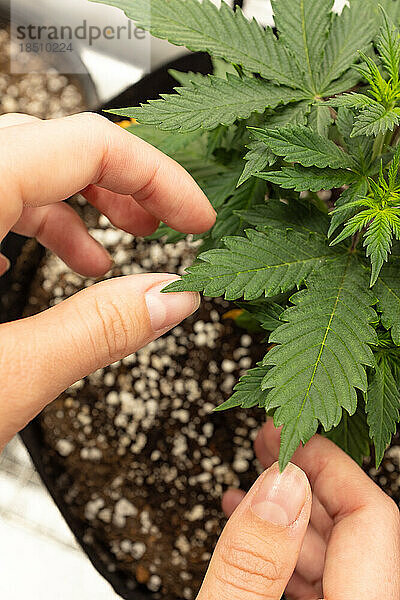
x,y
257,552
43,355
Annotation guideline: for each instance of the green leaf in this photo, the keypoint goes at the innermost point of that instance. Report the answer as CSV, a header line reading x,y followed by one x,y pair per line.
x,y
312,179
352,100
303,145
186,78
171,236
266,263
291,114
258,156
376,119
320,119
299,215
387,290
303,28
265,312
321,354
378,239
352,31
358,190
228,221
210,102
360,147
219,189
224,33
248,392
352,435
392,8
383,407
389,48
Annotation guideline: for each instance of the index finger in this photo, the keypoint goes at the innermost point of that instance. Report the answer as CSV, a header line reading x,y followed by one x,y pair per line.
x,y
364,546
47,161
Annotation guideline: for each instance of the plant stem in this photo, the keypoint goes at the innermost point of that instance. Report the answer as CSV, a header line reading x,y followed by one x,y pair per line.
x,y
378,146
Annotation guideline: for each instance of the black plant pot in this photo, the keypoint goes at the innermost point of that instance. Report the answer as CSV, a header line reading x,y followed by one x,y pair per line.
x,y
14,290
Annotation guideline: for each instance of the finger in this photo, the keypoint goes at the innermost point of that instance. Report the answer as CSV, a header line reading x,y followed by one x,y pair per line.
x,y
122,211
310,564
364,549
4,264
42,355
299,589
60,229
267,449
11,119
231,500
258,549
63,156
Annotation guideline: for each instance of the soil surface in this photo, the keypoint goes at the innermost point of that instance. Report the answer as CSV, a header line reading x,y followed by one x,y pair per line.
x,y
138,453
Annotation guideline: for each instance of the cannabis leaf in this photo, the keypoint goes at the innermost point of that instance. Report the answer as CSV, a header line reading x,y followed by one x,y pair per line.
x,y
300,179
383,406
303,28
380,218
379,112
258,156
350,32
352,435
345,204
303,145
209,102
387,290
224,33
248,392
303,56
229,222
299,215
321,354
267,263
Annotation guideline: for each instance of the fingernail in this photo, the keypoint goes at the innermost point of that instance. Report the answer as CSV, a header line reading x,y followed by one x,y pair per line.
x,y
167,310
4,264
281,496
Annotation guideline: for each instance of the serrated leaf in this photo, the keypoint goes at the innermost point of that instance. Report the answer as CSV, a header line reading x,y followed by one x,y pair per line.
x,y
312,179
211,102
352,100
244,197
291,114
303,145
389,48
248,392
383,407
303,28
358,190
350,32
296,214
186,78
218,189
392,8
376,119
265,312
360,147
224,33
262,263
387,290
258,156
378,239
322,352
320,119
352,435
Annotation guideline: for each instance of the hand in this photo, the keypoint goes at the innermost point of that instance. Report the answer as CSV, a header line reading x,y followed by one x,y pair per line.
x,y
134,185
340,543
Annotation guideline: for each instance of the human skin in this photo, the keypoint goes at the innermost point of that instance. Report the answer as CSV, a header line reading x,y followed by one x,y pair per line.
x,y
320,529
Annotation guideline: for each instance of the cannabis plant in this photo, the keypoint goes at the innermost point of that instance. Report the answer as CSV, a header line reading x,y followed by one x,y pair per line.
x,y
311,105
